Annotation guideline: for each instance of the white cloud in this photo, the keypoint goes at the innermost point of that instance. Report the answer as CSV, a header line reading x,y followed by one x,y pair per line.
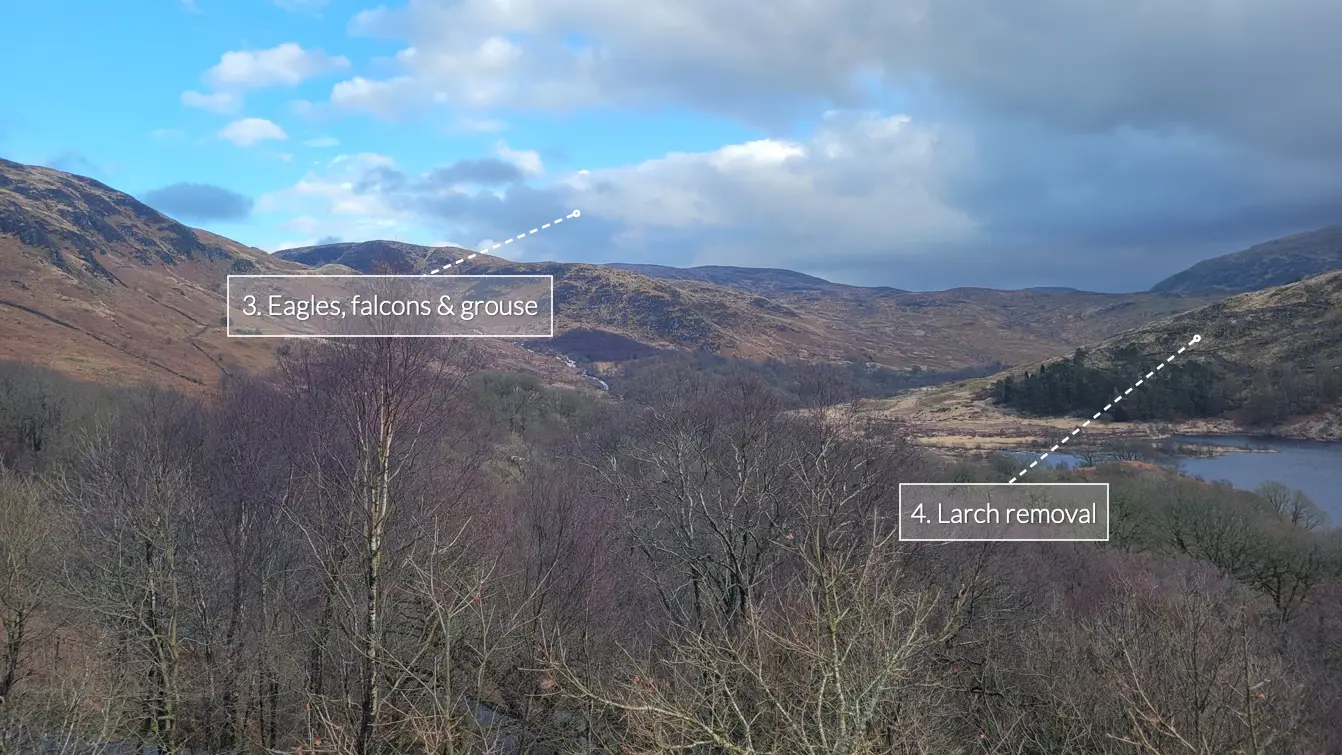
x,y
358,163
471,74
331,191
167,133
217,102
386,98
304,224
870,198
322,142
248,131
527,161
863,187
287,64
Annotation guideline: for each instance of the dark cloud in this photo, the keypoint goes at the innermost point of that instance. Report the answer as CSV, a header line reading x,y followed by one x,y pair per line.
x,y
1101,144
487,171
1132,188
201,202
1258,72
328,240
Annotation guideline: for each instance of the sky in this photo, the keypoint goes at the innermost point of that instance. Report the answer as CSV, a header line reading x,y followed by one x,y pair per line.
x,y
921,144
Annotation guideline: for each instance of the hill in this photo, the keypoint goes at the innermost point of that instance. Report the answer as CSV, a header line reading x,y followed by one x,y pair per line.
x,y
756,280
1269,362
622,314
382,257
1273,263
97,285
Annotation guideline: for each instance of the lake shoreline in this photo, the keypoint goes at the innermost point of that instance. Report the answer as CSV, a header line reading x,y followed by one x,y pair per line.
x,y
1243,461
1025,434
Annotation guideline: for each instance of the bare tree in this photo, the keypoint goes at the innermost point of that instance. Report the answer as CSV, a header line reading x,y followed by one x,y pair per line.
x,y
30,532
703,477
831,656
1291,505
392,437
136,505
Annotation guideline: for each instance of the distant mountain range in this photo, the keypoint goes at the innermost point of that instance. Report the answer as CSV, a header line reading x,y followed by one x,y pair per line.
x,y
622,311
764,281
97,284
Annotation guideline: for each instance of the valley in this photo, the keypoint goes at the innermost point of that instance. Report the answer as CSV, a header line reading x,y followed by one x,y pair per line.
x,y
475,377
100,286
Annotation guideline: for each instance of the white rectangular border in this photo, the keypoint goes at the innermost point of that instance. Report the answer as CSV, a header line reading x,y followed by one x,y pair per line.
x,y
228,306
1108,514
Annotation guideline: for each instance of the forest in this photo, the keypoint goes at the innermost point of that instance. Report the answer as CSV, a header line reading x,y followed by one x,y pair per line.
x,y
1186,390
849,380
377,549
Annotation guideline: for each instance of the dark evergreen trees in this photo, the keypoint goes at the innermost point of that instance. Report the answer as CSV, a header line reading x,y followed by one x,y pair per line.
x,y
1071,386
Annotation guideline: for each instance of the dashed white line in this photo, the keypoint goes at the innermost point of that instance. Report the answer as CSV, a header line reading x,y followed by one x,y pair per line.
x,y
556,221
1110,405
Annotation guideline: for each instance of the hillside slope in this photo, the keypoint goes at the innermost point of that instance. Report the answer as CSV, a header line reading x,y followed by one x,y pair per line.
x,y
1273,263
1262,351
98,285
620,313
755,280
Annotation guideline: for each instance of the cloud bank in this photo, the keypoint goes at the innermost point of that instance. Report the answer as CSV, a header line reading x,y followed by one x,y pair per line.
x,y
1100,144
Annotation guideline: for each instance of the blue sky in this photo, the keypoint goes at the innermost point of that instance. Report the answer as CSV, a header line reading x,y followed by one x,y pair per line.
x,y
910,143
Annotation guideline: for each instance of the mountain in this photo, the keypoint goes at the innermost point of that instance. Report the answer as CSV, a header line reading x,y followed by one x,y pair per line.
x,y
100,286
1268,361
1272,263
383,257
618,312
96,284
756,280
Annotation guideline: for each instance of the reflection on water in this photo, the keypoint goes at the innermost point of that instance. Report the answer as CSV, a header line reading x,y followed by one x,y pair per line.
x,y
1314,468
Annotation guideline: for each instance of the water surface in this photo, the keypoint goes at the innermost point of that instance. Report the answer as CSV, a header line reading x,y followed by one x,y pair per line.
x,y
1312,467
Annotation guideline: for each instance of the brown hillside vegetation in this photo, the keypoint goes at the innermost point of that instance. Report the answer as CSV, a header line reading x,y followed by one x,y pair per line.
x,y
97,285
939,330
1291,329
1273,263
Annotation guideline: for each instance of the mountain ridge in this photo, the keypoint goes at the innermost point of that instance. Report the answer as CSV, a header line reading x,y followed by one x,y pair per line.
x,y
1258,346
99,286
757,280
1271,263
103,285
783,315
